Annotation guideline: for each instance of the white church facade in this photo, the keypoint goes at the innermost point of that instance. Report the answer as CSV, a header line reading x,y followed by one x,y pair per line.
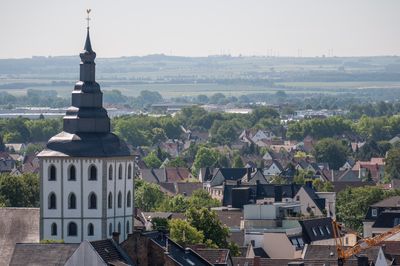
x,y
86,171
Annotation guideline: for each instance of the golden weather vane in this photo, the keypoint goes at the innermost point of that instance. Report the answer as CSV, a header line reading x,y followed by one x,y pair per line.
x,y
88,17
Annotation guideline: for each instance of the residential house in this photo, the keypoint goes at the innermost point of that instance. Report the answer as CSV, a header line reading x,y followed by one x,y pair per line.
x,y
30,164
382,215
316,203
172,146
273,169
374,169
15,147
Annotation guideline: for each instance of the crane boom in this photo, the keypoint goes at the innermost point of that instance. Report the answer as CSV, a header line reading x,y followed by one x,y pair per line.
x,y
363,244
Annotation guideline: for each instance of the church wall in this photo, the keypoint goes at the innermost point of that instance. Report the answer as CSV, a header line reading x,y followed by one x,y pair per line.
x,y
70,186
90,186
51,186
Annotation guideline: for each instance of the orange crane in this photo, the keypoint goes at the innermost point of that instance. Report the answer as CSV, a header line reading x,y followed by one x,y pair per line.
x,y
363,244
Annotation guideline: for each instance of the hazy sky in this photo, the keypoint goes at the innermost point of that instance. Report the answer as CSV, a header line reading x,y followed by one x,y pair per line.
x,y
202,27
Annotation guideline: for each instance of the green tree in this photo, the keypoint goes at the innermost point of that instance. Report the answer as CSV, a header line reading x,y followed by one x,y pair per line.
x,y
2,146
208,222
148,197
237,162
205,157
176,203
331,151
177,162
392,163
322,186
159,223
183,233
201,198
152,161
302,176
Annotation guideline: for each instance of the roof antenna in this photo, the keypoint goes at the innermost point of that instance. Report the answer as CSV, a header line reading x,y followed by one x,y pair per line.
x,y
88,17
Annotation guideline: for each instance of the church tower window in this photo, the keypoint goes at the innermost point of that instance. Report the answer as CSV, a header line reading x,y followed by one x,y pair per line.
x,y
119,199
110,172
128,199
120,172
53,229
52,173
52,201
129,171
90,229
72,229
110,200
72,173
92,172
92,201
72,201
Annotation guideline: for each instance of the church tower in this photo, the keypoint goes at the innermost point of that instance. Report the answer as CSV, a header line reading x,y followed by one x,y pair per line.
x,y
86,172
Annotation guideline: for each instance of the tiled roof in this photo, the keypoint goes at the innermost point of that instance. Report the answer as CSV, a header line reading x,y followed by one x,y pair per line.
x,y
230,218
342,185
389,202
108,251
213,256
42,254
177,174
17,225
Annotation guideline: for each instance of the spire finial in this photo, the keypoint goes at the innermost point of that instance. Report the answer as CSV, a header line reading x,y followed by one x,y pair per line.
x,y
88,17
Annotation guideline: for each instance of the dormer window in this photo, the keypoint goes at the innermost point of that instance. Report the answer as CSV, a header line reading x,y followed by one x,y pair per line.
x,y
374,212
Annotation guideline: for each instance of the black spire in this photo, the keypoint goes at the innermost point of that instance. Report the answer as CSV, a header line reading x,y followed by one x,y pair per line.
x,y
87,113
86,130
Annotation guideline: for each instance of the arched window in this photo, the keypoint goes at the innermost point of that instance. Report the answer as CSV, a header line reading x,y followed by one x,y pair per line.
x,y
110,200
110,172
90,229
119,199
52,173
52,201
53,229
72,173
92,172
127,227
72,229
92,201
128,199
71,201
129,171
110,229
120,171
119,227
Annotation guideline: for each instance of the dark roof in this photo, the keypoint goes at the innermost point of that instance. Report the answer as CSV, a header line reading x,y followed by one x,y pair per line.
x,y
183,188
233,173
42,254
237,237
389,202
387,220
326,253
230,218
260,191
316,229
342,185
318,201
108,251
214,256
86,125
17,225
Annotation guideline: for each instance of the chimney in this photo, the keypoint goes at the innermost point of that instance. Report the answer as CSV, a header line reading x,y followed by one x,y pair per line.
x,y
248,173
115,237
333,176
256,261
